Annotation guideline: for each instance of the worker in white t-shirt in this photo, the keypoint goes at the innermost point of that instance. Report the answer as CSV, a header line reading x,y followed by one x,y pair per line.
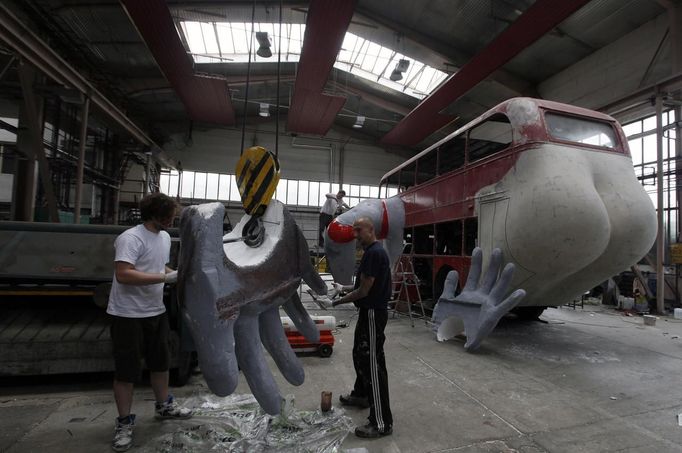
x,y
140,328
328,211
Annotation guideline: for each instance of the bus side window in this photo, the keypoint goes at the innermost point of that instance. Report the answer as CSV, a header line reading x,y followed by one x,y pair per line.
x,y
407,175
451,155
423,240
383,189
470,235
489,137
426,167
449,238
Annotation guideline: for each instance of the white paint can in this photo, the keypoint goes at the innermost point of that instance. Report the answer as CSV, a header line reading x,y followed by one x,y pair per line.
x,y
678,313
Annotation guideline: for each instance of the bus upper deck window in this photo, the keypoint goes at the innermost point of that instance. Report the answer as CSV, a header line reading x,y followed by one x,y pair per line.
x,y
392,184
407,175
426,167
580,130
489,137
451,155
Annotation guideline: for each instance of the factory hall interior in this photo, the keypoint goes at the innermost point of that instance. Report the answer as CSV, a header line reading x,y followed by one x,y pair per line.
x,y
340,226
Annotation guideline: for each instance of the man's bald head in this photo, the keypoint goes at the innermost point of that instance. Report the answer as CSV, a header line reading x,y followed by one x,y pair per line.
x,y
363,228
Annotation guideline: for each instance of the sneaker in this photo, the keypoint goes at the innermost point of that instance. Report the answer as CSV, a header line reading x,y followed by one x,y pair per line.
x,y
171,409
370,431
352,400
123,436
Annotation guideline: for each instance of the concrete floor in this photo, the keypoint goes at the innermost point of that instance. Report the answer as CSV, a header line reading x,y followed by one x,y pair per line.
x,y
587,380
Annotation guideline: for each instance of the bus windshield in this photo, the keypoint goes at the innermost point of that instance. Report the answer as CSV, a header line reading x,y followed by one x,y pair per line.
x,y
580,130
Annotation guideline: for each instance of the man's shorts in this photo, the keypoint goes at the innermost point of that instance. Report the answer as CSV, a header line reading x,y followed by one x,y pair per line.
x,y
135,339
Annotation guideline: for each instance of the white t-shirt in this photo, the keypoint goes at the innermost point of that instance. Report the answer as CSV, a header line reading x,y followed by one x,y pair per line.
x,y
148,252
329,206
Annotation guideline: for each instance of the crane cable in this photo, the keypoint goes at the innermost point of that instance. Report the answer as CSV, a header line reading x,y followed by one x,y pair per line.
x,y
248,74
279,63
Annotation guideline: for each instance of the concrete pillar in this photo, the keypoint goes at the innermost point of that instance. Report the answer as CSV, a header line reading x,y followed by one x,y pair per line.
x,y
33,106
660,241
25,183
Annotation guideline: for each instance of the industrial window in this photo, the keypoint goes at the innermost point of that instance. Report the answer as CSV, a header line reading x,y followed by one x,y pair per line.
x,y
199,186
423,240
451,155
449,238
489,137
470,235
407,176
427,167
580,130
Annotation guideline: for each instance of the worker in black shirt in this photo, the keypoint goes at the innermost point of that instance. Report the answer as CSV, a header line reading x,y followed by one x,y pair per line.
x,y
371,293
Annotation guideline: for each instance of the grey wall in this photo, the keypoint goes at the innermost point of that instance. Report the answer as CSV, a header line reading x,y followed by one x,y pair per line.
x,y
614,71
217,151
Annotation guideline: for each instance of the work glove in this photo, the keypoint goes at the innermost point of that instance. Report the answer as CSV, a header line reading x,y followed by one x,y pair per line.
x,y
170,277
324,302
337,289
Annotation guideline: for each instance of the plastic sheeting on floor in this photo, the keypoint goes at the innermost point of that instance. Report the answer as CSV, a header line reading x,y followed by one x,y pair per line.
x,y
237,424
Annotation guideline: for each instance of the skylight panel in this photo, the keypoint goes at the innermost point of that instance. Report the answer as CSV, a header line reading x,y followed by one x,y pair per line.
x,y
210,42
194,37
229,42
225,38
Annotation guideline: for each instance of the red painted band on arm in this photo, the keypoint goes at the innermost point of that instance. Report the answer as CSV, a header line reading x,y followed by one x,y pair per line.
x,y
384,221
340,233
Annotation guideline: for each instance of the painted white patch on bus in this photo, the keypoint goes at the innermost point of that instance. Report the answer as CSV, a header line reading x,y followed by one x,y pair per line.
x,y
569,218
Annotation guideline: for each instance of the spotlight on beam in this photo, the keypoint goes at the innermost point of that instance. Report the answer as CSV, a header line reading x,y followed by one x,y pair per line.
x,y
359,122
400,67
264,110
264,43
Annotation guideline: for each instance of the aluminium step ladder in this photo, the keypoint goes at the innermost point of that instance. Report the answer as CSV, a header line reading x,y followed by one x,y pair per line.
x,y
406,283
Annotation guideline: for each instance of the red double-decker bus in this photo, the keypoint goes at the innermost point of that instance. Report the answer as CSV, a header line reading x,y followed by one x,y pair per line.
x,y
551,184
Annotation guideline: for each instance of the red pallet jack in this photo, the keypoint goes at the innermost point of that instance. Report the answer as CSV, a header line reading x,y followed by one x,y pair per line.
x,y
325,347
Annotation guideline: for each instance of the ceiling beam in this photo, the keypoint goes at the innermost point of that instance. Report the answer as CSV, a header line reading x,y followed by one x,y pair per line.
x,y
32,49
535,22
446,51
312,111
206,98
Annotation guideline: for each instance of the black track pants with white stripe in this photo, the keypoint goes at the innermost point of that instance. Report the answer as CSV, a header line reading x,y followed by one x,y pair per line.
x,y
370,365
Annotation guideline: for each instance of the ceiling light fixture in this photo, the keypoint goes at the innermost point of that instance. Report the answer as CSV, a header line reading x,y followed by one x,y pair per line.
x,y
359,122
264,110
400,67
264,43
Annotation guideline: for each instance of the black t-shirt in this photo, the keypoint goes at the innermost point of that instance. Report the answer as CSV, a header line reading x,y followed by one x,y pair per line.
x,y
375,263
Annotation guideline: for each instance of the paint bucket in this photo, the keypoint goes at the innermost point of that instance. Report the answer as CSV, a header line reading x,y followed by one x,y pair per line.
x,y
649,320
326,401
678,313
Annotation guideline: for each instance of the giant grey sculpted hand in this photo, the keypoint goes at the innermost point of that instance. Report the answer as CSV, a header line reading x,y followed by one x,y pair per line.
x,y
231,294
479,307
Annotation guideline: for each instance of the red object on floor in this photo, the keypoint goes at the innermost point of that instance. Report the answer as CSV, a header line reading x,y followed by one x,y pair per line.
x,y
299,343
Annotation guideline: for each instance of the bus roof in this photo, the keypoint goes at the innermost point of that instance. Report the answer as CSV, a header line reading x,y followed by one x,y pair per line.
x,y
520,111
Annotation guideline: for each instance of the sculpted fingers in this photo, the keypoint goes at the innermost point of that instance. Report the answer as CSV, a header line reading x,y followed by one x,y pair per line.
x,y
474,270
301,319
503,283
492,272
252,362
450,286
275,341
